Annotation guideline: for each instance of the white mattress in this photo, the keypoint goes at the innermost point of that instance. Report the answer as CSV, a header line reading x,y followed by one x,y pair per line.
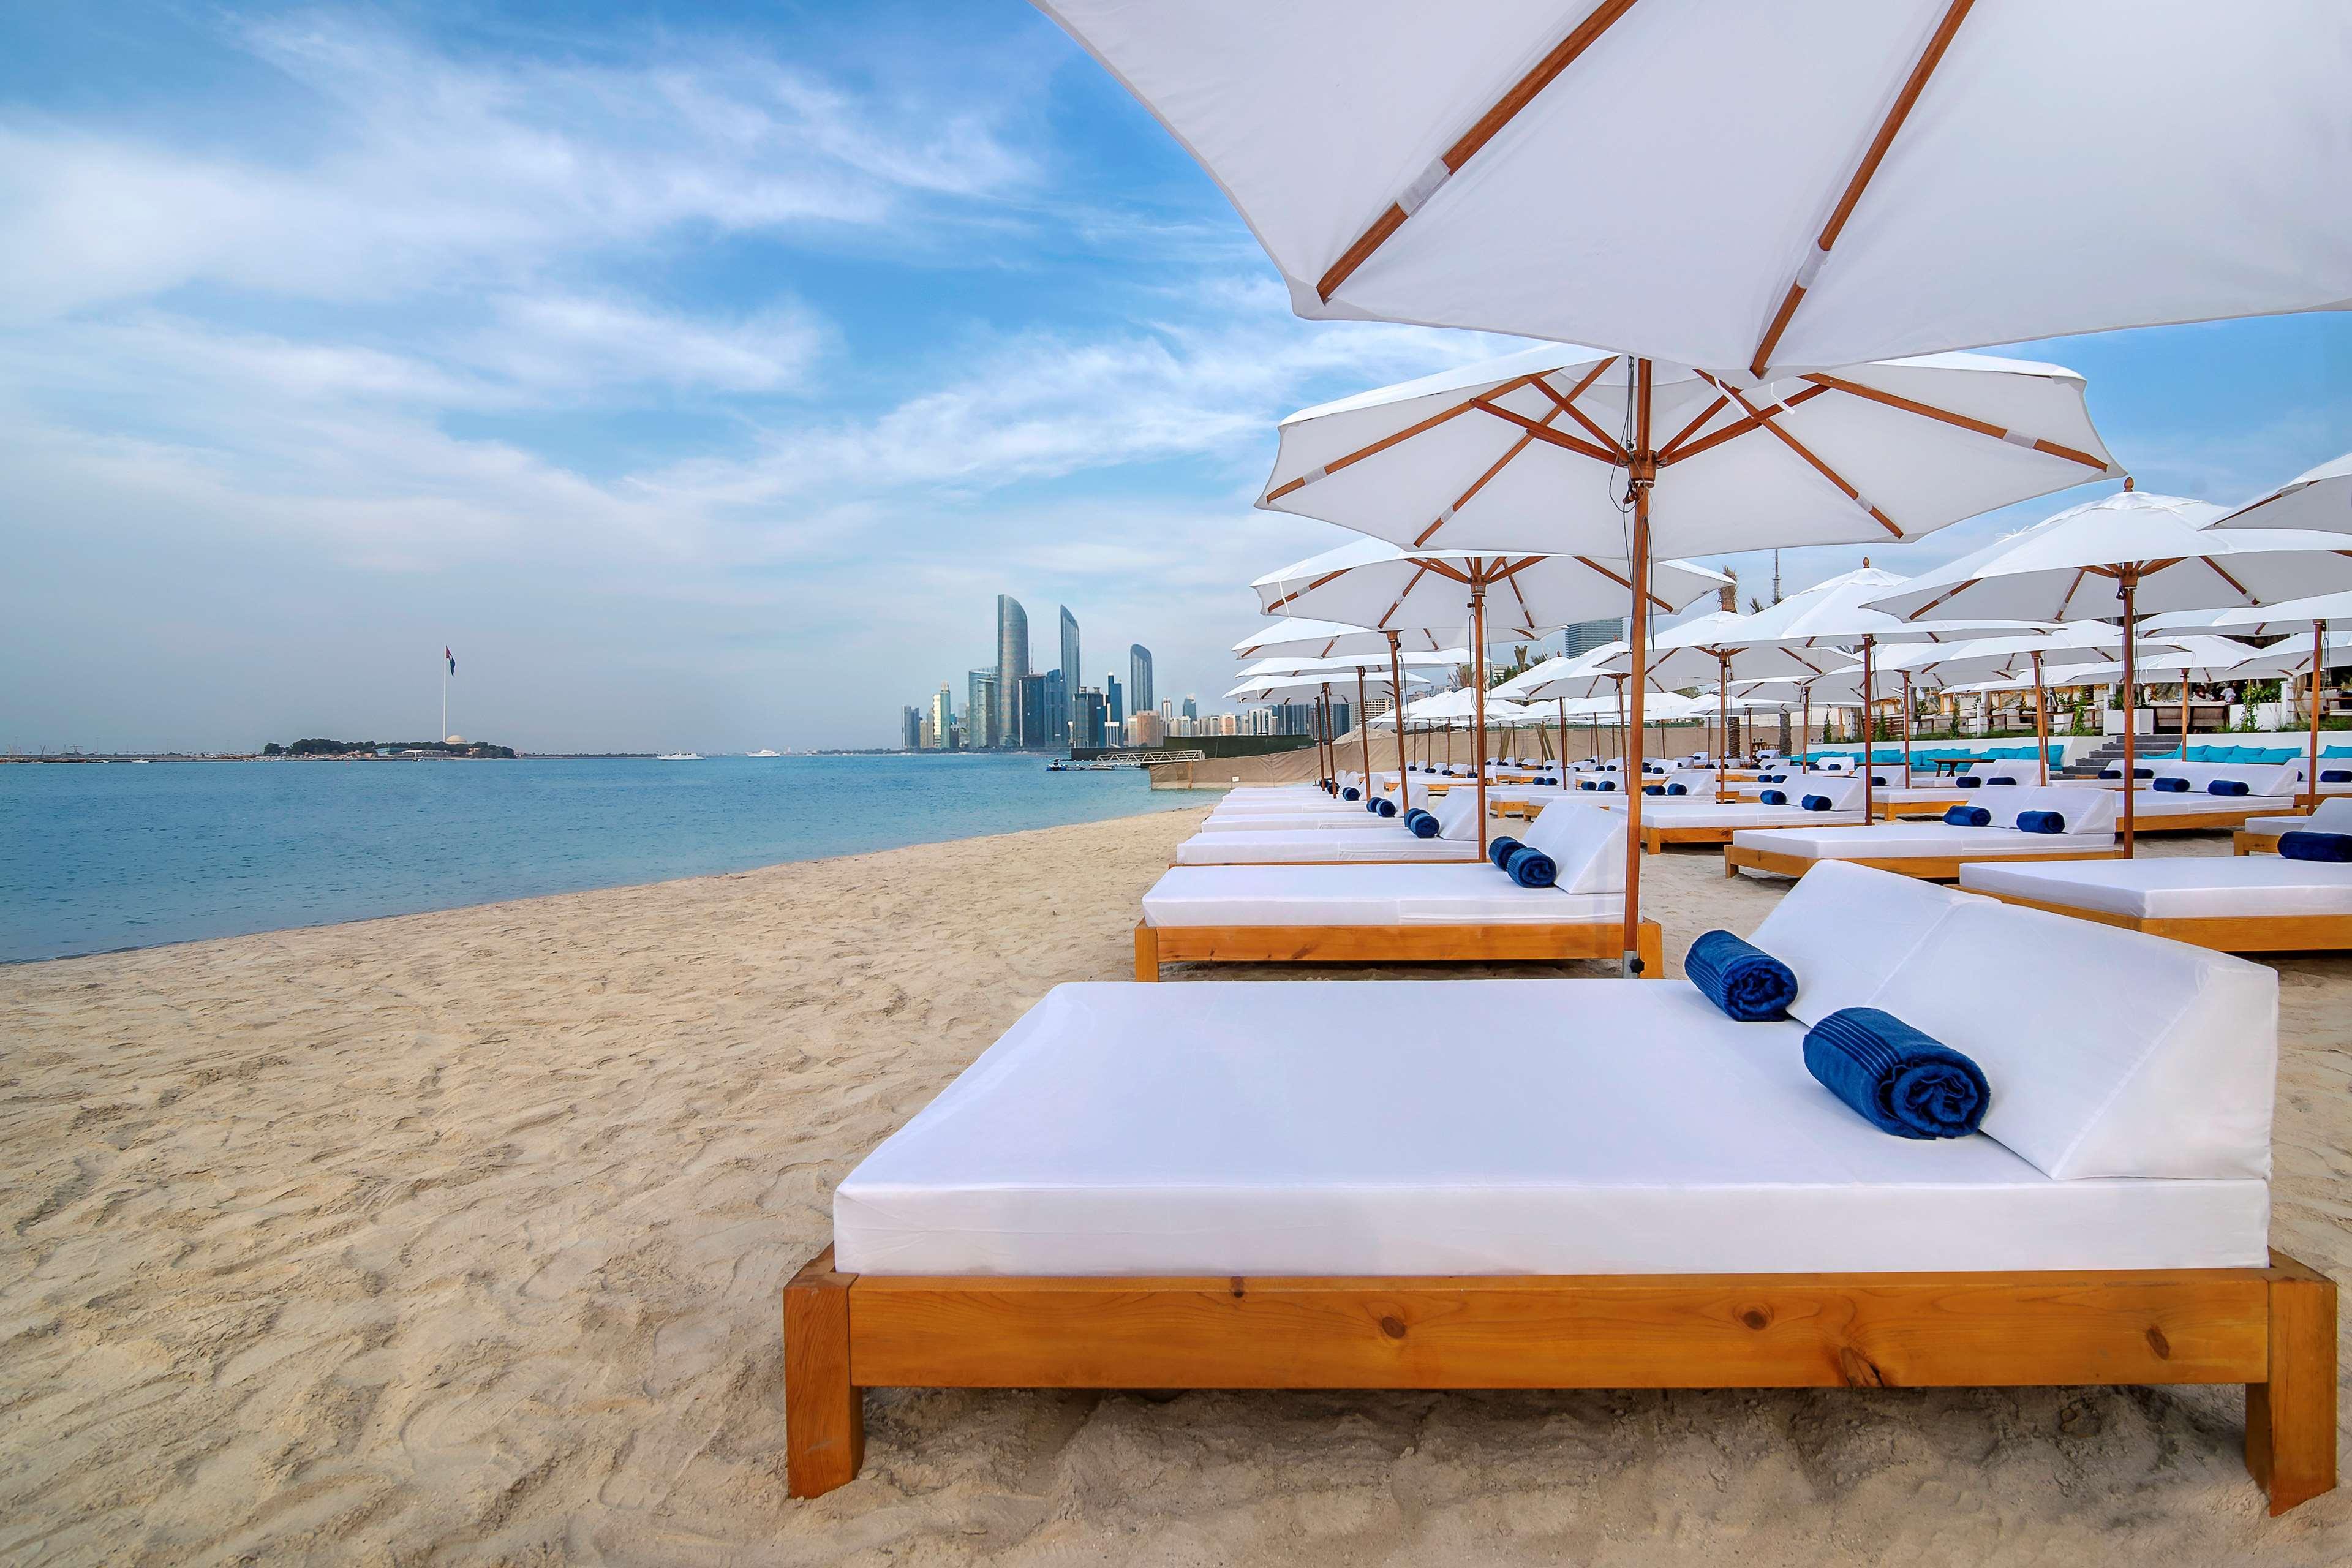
x,y
2156,802
1308,1127
1337,848
1354,819
2331,816
1362,896
1679,812
1890,840
2216,887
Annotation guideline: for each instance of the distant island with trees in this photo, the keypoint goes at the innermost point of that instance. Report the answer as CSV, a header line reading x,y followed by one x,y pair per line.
x,y
316,747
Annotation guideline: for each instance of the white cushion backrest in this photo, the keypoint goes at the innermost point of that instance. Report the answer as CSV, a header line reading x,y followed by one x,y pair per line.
x,y
1845,929
1844,793
1587,843
2333,815
1457,814
2087,809
2110,1053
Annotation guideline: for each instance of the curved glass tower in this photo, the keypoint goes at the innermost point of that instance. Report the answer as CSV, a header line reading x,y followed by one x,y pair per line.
x,y
1140,696
1070,668
1012,664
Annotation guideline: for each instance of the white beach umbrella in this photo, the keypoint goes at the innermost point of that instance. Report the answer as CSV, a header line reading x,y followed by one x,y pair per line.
x,y
1304,638
1809,183
2125,556
1292,674
1568,681
1590,454
1954,666
2281,620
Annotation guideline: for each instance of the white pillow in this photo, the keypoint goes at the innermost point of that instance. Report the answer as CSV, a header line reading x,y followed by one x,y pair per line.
x,y
1845,929
1587,843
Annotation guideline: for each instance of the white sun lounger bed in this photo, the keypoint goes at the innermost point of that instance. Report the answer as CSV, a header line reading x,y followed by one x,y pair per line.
x,y
1456,841
1698,819
1343,913
1594,1185
1937,849
2233,904
2262,834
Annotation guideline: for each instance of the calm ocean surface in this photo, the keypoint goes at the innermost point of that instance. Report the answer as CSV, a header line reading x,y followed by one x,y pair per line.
x,y
128,855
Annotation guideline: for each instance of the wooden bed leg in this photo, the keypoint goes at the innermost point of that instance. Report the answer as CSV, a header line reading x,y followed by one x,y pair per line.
x,y
1650,946
1146,953
2291,1419
825,1416
1730,867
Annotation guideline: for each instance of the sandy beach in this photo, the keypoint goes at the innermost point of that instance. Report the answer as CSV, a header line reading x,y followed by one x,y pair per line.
x,y
458,1238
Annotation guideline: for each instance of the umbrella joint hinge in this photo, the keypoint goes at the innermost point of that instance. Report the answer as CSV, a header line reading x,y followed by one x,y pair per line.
x,y
1642,469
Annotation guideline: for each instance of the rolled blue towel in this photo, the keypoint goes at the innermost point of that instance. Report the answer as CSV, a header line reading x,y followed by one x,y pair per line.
x,y
1898,1080
1530,867
2304,845
1878,781
1385,807
2002,780
2143,772
1968,781
1352,793
2334,775
2226,786
1969,816
1817,803
1499,851
2041,822
1420,823
1678,789
1746,982
2111,773
1774,797
1653,789
2173,786
1586,784
1608,784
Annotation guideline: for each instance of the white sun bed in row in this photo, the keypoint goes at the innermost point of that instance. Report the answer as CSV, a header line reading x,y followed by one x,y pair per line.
x,y
1937,849
2234,904
1683,819
1349,913
1247,845
2262,834
2165,811
1594,1184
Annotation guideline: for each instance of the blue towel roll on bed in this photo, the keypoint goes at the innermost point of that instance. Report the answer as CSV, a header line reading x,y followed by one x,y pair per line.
x,y
1531,867
2000,781
1968,781
1969,816
1898,1080
1352,793
2172,786
2304,845
2226,786
1817,803
1747,983
1420,823
2111,773
1586,784
1499,851
2041,822
1385,807
1774,797
2334,775
1653,789
1678,789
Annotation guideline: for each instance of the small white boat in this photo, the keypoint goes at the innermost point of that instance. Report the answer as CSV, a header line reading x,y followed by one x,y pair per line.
x,y
680,757
763,751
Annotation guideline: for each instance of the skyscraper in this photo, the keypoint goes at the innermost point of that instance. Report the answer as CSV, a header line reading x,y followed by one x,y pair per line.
x,y
982,711
1057,711
1087,718
1011,666
1111,695
1585,636
1070,663
1030,726
910,729
1191,709
1139,698
944,715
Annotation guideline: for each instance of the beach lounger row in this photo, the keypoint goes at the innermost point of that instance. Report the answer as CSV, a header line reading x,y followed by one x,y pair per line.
x,y
1596,1184
2074,822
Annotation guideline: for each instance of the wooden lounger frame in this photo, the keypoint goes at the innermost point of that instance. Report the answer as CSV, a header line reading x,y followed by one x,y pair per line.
x,y
2223,933
1888,810
1515,942
2272,1329
2201,821
1656,839
1928,867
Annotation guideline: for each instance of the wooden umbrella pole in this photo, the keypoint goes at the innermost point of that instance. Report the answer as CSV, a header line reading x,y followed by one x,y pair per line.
x,y
1869,743
2184,714
1641,473
1364,740
1396,712
1722,725
2318,659
1907,729
1805,731
1323,750
1563,737
2040,720
2131,670
1478,699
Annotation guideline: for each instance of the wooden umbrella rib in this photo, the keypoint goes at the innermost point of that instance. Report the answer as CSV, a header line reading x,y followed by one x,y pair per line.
x,y
1426,535
1666,452
1852,493
1543,432
1939,598
1568,405
1407,434
1930,411
1896,114
2219,572
1739,427
1483,131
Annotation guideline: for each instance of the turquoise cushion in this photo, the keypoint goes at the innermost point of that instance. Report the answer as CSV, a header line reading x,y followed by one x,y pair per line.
x,y
2336,751
2280,754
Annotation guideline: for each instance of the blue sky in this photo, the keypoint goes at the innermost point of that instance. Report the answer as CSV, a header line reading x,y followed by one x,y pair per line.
x,y
700,372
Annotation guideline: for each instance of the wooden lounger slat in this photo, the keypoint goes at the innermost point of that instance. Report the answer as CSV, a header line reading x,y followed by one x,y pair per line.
x,y
2272,1329
1946,869
2245,933
1511,942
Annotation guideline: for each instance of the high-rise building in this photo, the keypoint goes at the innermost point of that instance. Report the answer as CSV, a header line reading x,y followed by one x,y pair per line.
x,y
1139,698
944,715
1089,716
1585,636
1111,695
981,711
1011,666
1191,710
1146,729
1030,724
1057,709
1071,664
910,729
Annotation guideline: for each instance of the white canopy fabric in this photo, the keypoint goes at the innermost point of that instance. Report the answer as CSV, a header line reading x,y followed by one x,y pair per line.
x,y
1725,183
1266,686
2259,620
1345,667
2320,498
1566,677
1306,639
2193,658
1376,585
1525,453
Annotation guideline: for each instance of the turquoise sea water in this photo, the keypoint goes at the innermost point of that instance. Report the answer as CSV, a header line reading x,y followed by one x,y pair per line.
x,y
127,855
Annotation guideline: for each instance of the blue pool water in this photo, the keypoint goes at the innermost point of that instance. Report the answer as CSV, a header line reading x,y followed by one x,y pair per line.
x,y
127,855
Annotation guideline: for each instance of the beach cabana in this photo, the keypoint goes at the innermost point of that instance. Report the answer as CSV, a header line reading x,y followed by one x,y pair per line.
x,y
1285,1186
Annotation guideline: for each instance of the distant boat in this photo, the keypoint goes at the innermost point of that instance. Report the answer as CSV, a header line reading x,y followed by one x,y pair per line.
x,y
1055,768
763,751
680,757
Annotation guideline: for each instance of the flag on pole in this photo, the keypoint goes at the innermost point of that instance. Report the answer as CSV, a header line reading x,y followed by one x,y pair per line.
x,y
450,656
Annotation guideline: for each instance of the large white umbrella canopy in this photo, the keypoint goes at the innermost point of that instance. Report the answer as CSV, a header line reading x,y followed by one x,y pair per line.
x,y
1806,184
1347,666
1307,638
2320,498
1528,452
1564,676
2258,620
1378,585
2319,652
2127,556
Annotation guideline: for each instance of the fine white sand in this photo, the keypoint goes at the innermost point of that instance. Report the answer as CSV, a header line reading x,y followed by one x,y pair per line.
x,y
458,1238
